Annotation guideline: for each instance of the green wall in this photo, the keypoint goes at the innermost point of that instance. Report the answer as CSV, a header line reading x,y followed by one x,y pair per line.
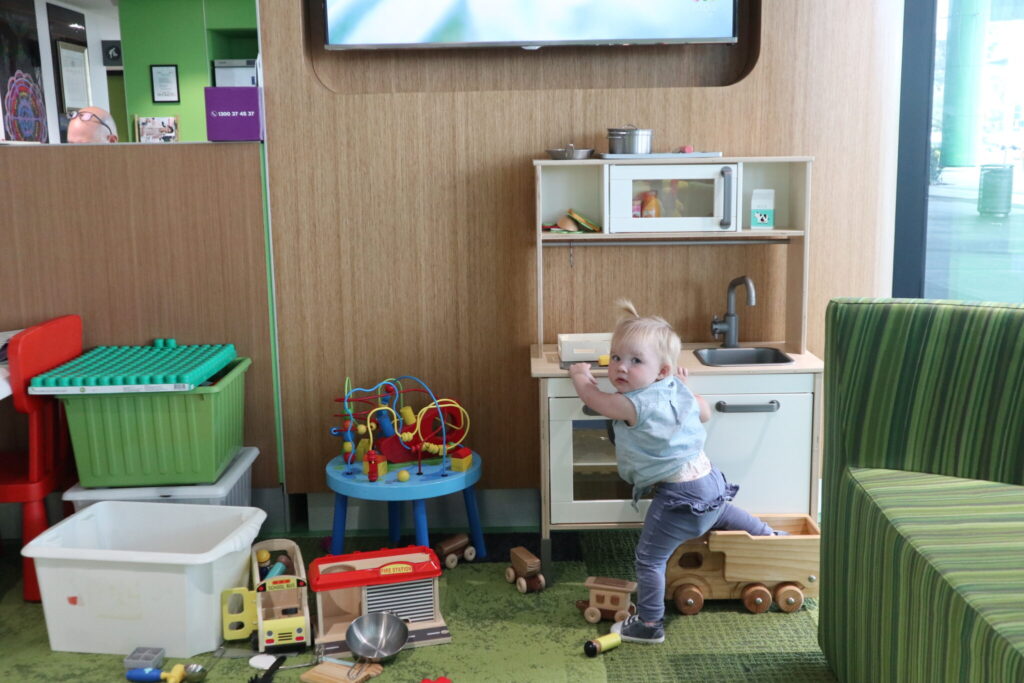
x,y
189,34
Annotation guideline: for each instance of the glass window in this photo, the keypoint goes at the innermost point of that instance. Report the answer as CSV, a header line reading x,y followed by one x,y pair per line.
x,y
974,223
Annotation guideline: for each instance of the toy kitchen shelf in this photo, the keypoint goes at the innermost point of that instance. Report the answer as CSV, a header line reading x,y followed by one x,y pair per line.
x,y
770,445
599,189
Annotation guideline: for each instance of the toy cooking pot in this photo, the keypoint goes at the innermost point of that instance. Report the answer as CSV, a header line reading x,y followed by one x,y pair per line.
x,y
377,636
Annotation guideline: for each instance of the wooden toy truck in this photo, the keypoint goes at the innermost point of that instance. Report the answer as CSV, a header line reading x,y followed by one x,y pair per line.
x,y
724,565
454,548
609,599
275,612
524,571
400,580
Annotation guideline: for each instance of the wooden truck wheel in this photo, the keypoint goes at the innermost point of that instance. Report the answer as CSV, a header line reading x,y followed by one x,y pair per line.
x,y
789,597
689,599
622,615
757,598
592,615
510,574
451,560
542,582
521,585
469,554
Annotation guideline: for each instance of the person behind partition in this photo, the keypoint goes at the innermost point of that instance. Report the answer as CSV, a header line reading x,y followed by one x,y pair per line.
x,y
91,124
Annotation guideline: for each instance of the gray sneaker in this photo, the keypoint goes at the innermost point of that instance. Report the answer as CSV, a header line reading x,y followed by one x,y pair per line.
x,y
634,630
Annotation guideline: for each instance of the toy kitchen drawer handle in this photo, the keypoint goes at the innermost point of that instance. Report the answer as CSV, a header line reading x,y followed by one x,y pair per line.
x,y
769,407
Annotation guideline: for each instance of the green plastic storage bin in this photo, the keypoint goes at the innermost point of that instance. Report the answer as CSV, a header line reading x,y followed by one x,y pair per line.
x,y
158,439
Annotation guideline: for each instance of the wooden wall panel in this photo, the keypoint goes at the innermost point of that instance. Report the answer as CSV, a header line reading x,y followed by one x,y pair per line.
x,y
402,201
143,241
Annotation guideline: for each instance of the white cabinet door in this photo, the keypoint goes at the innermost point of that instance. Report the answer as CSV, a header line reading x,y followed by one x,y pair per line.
x,y
762,442
584,483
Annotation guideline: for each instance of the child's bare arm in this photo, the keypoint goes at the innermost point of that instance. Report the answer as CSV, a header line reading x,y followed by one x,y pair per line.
x,y
612,406
705,410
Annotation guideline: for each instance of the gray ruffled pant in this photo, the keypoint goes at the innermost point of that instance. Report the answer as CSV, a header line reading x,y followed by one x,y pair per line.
x,y
680,512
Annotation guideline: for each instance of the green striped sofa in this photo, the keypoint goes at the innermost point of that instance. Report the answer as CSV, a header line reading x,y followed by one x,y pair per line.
x,y
922,553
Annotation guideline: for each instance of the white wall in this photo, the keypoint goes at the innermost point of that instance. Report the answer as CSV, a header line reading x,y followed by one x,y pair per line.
x,y
101,23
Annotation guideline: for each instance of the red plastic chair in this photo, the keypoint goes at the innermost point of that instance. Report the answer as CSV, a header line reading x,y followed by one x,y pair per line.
x,y
27,478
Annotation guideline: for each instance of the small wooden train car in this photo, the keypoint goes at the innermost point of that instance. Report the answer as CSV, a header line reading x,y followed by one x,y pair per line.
x,y
609,599
454,548
724,565
524,571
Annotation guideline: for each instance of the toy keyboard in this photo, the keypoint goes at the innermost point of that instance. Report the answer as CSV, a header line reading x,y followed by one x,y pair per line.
x,y
164,366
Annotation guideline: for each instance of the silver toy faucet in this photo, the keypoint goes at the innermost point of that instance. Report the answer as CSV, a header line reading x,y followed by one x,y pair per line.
x,y
730,327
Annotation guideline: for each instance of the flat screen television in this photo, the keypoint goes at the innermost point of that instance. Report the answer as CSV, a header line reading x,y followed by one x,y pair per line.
x,y
394,24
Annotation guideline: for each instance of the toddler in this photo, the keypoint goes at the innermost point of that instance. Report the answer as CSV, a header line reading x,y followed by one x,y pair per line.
x,y
659,442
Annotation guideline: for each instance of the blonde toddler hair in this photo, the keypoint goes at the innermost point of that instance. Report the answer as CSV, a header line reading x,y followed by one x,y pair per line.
x,y
653,330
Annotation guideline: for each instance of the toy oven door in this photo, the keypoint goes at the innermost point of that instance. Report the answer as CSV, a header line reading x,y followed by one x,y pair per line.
x,y
673,198
585,484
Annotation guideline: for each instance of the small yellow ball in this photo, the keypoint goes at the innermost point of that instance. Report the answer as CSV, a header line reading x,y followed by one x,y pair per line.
x,y
403,475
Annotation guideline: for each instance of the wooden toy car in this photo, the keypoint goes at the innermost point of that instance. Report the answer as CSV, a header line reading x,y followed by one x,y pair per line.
x,y
524,571
724,565
454,548
609,599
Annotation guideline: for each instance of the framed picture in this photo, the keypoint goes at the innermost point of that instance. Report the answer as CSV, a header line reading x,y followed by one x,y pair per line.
x,y
74,75
156,128
165,82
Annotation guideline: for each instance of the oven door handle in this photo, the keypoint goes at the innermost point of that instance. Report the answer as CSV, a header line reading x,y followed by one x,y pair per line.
x,y
769,407
587,410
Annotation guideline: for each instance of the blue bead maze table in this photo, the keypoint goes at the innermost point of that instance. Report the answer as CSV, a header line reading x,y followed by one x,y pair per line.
x,y
348,481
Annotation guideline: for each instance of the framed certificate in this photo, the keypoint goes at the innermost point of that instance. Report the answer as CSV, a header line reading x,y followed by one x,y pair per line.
x,y
165,82
74,75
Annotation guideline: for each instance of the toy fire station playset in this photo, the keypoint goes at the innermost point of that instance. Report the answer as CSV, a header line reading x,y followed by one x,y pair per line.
x,y
400,580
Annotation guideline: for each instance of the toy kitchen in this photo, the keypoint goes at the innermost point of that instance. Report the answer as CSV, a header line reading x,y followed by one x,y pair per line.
x,y
765,394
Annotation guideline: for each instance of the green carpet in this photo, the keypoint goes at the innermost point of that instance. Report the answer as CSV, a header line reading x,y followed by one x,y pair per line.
x,y
497,633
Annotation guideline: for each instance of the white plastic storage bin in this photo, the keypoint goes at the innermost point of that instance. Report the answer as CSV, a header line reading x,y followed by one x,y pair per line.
x,y
117,575
233,488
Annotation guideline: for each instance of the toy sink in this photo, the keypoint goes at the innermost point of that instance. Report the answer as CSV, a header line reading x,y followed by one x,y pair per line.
x,y
758,355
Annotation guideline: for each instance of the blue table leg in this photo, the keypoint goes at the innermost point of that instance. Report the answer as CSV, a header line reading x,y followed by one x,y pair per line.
x,y
394,520
338,533
419,513
474,522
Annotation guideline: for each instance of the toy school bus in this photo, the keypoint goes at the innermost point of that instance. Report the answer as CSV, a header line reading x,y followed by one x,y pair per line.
x,y
274,614
759,570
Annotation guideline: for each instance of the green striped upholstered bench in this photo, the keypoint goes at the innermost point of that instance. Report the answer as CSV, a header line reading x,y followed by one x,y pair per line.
x,y
923,503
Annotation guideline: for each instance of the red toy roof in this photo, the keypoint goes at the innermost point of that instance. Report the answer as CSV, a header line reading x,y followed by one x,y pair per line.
x,y
391,568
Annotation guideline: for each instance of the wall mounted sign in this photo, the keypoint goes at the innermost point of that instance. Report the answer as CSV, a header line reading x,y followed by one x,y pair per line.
x,y
165,82
111,52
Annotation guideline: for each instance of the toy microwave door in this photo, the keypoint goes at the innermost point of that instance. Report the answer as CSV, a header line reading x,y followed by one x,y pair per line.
x,y
673,198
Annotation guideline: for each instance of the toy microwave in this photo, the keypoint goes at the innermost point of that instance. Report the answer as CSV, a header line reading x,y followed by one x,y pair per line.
x,y
673,198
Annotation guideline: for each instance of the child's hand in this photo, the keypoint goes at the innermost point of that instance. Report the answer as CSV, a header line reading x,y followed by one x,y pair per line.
x,y
580,372
682,373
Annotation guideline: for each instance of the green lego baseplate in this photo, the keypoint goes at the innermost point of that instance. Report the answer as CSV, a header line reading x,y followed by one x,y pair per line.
x,y
163,366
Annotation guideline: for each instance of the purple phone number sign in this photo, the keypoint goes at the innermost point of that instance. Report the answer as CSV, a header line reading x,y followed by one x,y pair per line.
x,y
233,114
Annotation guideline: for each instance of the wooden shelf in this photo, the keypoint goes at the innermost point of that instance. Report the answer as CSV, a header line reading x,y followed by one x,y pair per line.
x,y
779,234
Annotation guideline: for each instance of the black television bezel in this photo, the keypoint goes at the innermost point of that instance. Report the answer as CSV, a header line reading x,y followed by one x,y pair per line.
x,y
731,40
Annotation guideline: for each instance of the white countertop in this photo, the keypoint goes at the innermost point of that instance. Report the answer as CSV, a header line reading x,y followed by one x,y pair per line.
x,y
548,365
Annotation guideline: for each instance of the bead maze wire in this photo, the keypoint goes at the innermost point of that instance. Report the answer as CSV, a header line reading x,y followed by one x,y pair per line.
x,y
401,428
